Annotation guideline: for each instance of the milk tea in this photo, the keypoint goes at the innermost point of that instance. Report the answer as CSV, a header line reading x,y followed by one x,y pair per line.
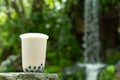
x,y
33,51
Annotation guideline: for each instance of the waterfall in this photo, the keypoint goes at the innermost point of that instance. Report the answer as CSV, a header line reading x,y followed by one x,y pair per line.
x,y
91,32
92,70
91,40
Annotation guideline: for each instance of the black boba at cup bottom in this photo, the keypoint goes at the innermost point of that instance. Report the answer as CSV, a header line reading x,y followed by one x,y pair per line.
x,y
39,68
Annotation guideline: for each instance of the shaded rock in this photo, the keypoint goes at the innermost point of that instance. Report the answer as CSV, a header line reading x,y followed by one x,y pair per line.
x,y
28,76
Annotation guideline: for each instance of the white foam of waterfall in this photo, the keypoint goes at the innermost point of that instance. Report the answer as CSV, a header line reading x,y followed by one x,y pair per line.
x,y
92,70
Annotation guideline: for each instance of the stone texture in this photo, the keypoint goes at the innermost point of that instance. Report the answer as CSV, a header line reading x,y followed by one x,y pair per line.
x,y
117,68
28,76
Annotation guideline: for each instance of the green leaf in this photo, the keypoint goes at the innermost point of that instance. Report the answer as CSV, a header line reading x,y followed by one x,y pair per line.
x,y
3,18
111,69
104,1
51,3
113,1
106,9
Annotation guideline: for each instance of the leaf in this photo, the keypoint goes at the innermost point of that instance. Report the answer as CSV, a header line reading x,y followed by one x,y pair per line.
x,y
51,3
3,18
113,1
111,69
104,2
60,1
106,9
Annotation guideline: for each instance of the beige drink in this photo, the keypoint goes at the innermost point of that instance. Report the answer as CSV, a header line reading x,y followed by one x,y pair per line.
x,y
33,51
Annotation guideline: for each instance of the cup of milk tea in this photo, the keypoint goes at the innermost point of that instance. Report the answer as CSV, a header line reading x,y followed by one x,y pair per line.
x,y
33,51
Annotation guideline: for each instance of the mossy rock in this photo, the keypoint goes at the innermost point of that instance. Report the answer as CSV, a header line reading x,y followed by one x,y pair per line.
x,y
3,78
28,76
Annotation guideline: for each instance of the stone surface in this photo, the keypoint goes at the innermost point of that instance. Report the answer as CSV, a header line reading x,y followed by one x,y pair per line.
x,y
117,68
28,76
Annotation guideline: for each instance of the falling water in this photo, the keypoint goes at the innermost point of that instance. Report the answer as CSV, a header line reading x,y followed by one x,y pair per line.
x,y
91,32
92,70
91,40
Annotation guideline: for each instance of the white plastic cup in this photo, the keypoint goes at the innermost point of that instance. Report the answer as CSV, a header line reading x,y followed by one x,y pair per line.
x,y
33,51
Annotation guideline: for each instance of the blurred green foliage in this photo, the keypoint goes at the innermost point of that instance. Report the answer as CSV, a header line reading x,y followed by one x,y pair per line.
x,y
106,5
113,59
108,73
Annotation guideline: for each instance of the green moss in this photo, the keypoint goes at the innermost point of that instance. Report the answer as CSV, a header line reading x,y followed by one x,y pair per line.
x,y
26,77
113,58
3,78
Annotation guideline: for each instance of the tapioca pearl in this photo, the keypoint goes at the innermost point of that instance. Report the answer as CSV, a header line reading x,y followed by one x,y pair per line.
x,y
26,70
38,70
29,67
34,67
41,64
39,67
31,71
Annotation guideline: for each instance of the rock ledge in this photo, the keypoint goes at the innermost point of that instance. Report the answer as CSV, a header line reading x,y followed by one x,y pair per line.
x,y
28,76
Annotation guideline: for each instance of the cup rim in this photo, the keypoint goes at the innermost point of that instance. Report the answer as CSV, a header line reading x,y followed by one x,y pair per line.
x,y
34,35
